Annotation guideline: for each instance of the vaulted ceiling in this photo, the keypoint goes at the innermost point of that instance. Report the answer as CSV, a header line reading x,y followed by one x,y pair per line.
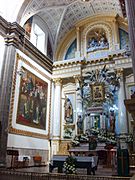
x,y
61,15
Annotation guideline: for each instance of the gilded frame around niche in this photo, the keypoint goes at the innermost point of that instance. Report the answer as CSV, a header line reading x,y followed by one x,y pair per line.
x,y
98,92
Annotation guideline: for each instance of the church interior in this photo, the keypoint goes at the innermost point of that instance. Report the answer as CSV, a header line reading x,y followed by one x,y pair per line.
x,y
67,88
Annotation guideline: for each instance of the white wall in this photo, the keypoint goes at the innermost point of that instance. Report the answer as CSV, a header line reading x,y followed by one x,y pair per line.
x,y
9,9
18,141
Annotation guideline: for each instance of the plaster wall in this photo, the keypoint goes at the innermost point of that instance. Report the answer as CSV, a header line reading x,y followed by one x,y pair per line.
x,y
17,141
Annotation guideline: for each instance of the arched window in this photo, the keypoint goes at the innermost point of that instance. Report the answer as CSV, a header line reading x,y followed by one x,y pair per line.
x,y
71,50
38,38
38,33
124,39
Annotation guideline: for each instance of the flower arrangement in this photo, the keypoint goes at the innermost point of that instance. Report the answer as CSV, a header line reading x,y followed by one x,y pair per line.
x,y
68,132
70,165
128,138
75,143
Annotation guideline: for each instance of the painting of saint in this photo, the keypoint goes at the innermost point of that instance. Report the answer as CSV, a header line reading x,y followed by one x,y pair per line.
x,y
32,101
28,25
132,91
98,92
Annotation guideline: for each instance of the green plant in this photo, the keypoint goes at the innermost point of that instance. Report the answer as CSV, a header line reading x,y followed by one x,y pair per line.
x,y
70,165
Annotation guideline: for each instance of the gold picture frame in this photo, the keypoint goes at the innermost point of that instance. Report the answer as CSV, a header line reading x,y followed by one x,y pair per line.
x,y
98,92
14,130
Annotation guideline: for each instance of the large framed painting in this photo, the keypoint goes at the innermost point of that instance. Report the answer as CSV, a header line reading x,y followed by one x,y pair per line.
x,y
32,105
131,91
98,92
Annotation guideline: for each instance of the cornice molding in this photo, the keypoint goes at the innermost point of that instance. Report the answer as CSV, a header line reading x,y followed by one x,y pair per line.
x,y
67,69
4,26
83,61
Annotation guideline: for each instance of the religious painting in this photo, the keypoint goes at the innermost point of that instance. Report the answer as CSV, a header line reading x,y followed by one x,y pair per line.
x,y
131,91
32,106
98,92
28,25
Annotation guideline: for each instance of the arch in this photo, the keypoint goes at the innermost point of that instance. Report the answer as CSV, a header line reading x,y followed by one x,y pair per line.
x,y
71,49
64,47
88,28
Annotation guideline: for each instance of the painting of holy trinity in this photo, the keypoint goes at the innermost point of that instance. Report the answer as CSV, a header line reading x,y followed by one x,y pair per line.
x,y
32,106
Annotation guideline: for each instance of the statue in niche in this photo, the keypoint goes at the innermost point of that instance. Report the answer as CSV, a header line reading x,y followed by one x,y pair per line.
x,y
112,121
79,124
97,41
68,111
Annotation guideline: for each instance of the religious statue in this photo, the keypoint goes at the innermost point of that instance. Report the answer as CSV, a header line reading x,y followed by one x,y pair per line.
x,y
97,42
68,111
79,124
112,121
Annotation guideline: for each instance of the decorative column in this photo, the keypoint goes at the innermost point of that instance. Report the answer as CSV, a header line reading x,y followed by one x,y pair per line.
x,y
123,124
78,95
130,6
130,103
116,35
77,54
79,107
52,119
57,109
5,94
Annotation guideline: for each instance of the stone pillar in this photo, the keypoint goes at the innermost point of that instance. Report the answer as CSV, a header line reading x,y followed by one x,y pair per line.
x,y
57,109
52,119
5,94
79,107
78,96
123,124
130,6
116,35
77,54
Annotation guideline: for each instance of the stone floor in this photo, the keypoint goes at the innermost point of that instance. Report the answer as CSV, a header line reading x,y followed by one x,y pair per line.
x,y
101,171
